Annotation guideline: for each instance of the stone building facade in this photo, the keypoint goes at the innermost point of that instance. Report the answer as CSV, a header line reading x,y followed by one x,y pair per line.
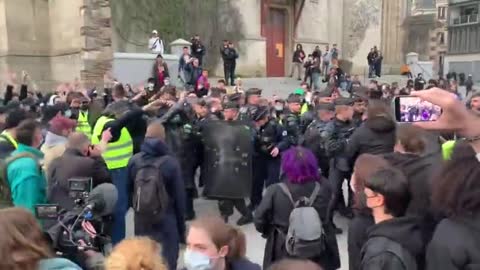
x,y
60,40
56,40
407,26
463,55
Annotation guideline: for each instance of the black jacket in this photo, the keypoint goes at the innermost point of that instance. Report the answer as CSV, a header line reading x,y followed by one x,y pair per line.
x,y
419,171
197,49
133,120
272,220
229,55
375,136
172,225
298,56
382,239
455,244
72,164
358,236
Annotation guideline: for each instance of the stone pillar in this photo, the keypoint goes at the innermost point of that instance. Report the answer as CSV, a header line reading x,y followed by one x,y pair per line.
x,y
393,15
176,47
96,53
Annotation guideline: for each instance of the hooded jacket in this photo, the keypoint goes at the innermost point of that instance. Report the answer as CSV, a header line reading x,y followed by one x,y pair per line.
x,y
53,148
419,171
26,179
455,244
168,229
394,244
375,136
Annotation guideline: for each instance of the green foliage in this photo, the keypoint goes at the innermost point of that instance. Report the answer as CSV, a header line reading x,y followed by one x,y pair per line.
x,y
213,20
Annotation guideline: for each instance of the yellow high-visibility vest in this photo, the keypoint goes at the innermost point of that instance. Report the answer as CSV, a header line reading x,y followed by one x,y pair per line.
x,y
82,124
447,149
117,153
8,137
304,109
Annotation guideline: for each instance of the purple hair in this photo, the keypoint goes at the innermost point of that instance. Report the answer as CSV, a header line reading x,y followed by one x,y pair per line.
x,y
300,165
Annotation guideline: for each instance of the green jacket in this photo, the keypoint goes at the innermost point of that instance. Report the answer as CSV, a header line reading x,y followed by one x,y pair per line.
x,y
26,180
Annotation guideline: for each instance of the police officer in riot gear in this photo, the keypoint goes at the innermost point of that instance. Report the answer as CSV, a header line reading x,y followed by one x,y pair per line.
x,y
336,135
271,139
226,205
293,121
252,99
313,136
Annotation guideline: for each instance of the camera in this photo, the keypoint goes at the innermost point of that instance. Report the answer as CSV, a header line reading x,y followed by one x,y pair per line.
x,y
47,211
79,189
85,226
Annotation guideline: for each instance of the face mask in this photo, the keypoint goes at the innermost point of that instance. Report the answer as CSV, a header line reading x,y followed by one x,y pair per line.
x,y
308,98
278,107
68,113
196,261
84,107
362,199
150,86
352,186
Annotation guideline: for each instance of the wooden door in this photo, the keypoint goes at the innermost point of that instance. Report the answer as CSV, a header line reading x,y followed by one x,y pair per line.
x,y
275,33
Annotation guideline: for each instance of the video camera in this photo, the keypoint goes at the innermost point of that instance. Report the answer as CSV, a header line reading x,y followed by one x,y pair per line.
x,y
85,226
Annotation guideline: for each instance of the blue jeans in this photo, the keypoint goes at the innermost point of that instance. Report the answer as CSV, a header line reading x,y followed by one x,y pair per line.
x,y
316,80
120,180
371,71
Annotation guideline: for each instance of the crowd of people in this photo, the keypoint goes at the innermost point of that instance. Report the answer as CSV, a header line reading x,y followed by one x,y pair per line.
x,y
281,162
317,64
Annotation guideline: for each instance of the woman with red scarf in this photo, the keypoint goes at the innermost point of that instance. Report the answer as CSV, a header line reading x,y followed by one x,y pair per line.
x,y
160,72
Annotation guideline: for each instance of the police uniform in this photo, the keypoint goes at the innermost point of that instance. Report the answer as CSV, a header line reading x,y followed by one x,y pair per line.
x,y
314,141
246,112
336,136
293,122
266,169
226,206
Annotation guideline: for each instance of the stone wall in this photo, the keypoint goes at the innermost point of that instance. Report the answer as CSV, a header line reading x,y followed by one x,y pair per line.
x,y
362,23
56,40
418,32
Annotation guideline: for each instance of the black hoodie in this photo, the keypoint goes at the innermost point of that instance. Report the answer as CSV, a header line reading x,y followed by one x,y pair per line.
x,y
455,244
419,171
394,244
375,136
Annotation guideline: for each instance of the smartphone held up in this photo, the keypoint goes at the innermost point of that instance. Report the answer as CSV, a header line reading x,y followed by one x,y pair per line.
x,y
410,109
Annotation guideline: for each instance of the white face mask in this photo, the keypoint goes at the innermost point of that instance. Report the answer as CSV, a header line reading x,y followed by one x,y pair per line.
x,y
195,260
352,186
308,97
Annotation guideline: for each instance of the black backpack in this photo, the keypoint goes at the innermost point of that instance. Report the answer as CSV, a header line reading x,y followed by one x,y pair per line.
x,y
150,197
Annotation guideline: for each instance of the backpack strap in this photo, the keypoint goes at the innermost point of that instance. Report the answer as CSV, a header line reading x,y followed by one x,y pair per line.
x,y
160,161
13,158
285,190
314,195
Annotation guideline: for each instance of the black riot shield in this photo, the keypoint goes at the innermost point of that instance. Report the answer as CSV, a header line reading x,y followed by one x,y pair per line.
x,y
227,160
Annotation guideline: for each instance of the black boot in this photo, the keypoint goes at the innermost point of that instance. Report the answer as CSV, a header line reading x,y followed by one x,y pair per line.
x,y
337,230
225,218
244,220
